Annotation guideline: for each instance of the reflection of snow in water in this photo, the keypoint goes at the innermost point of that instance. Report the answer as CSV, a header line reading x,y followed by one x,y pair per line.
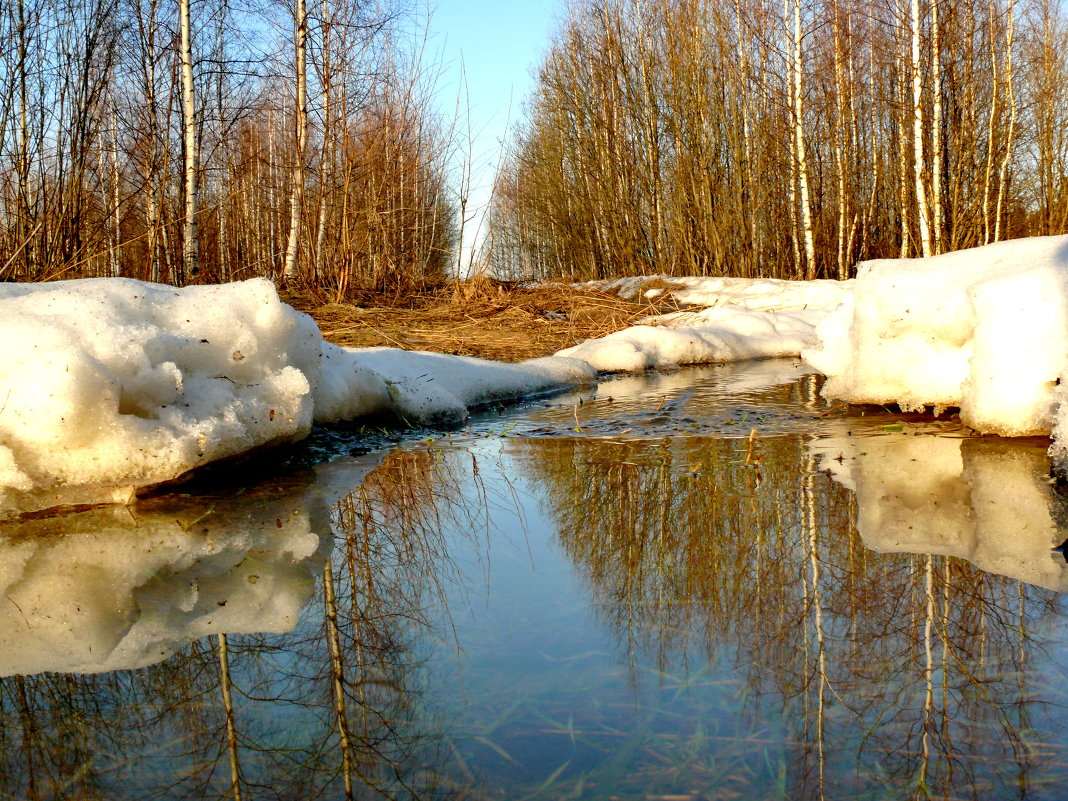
x,y
989,501
111,588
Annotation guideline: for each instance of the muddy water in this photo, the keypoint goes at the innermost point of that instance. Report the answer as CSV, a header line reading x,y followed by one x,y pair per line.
x,y
706,584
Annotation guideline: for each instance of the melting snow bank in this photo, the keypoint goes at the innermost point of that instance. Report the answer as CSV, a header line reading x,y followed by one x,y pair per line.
x,y
758,294
111,384
431,388
984,329
744,318
107,385
717,334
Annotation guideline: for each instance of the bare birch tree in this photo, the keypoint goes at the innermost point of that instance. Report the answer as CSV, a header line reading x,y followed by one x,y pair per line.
x,y
190,256
300,136
800,151
918,134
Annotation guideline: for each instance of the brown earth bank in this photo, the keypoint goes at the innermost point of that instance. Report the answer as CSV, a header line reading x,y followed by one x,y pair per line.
x,y
481,317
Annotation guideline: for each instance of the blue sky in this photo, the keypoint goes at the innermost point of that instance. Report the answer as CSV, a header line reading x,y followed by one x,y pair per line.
x,y
498,45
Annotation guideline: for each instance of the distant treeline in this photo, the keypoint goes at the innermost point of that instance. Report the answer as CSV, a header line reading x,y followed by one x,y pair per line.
x,y
223,140
790,139
152,139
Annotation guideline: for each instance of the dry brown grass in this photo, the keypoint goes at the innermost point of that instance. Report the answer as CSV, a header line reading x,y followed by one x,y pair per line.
x,y
480,317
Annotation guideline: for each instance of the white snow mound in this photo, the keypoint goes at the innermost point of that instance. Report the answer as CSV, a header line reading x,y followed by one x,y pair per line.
x,y
984,329
758,294
438,388
718,334
430,388
108,385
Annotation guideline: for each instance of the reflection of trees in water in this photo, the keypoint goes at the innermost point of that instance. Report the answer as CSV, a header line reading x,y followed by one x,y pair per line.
x,y
54,728
656,522
891,669
382,592
327,708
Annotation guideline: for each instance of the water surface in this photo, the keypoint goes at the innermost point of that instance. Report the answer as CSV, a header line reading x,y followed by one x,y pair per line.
x,y
701,585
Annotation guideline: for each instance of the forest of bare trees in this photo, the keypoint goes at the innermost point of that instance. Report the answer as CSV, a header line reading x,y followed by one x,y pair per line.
x,y
212,140
787,139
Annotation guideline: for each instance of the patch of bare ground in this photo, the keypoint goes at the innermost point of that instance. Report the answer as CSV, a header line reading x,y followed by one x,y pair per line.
x,y
480,317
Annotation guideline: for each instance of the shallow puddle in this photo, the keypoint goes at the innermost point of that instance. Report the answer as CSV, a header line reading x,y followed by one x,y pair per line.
x,y
702,585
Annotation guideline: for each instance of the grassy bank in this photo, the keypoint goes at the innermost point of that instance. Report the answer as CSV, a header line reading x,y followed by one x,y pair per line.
x,y
481,317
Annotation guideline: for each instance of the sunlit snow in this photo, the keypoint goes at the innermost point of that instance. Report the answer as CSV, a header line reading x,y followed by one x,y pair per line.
x,y
759,294
985,330
109,385
717,334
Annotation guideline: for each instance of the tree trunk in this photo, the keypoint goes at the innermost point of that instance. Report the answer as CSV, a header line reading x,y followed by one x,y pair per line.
x,y
296,198
839,142
799,147
937,223
222,244
1010,29
989,175
115,262
917,134
190,260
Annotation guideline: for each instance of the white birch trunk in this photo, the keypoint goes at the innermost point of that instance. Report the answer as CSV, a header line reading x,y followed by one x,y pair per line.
x,y
222,240
22,206
799,147
917,134
326,157
938,223
902,145
296,198
272,195
115,267
1010,28
988,177
839,143
192,156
